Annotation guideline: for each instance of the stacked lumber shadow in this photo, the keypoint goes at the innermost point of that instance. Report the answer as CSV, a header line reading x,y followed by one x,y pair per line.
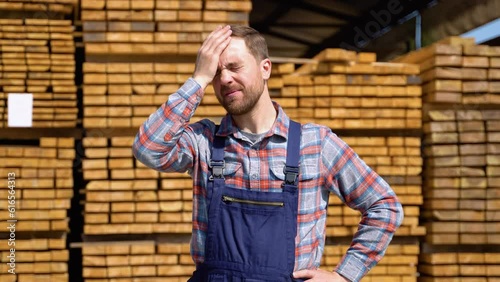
x,y
461,147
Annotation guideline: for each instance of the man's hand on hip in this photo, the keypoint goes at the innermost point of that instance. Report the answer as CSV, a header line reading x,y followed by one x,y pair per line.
x,y
318,275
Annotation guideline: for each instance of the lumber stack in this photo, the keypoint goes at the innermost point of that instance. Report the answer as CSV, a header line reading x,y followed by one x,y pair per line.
x,y
37,260
125,94
398,265
462,176
349,90
398,161
146,261
453,266
461,148
457,71
125,197
43,185
51,8
155,27
37,56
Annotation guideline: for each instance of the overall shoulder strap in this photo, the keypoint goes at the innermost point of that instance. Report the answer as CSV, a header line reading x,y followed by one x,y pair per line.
x,y
293,153
217,159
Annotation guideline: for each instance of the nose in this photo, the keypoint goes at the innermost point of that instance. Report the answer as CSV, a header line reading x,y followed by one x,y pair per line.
x,y
226,77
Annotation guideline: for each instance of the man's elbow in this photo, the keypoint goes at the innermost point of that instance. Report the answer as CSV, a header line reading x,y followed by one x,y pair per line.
x,y
398,214
139,153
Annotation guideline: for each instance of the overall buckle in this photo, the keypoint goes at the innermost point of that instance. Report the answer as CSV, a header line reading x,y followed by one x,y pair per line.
x,y
291,175
217,169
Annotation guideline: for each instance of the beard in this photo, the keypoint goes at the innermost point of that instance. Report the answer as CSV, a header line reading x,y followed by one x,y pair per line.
x,y
240,105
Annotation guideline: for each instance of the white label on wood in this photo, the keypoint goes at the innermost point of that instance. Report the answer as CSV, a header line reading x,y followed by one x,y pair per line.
x,y
20,107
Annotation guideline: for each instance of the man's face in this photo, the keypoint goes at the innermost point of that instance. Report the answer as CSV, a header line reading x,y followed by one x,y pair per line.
x,y
239,82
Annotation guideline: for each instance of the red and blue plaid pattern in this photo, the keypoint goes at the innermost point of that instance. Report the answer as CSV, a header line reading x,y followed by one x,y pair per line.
x,y
168,143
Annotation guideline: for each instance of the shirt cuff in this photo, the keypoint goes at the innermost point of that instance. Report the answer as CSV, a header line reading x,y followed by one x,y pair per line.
x,y
190,88
351,268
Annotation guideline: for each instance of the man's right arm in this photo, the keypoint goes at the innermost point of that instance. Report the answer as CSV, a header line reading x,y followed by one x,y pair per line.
x,y
161,142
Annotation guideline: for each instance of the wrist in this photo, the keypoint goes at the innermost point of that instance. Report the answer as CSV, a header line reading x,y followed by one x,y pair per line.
x,y
202,82
340,276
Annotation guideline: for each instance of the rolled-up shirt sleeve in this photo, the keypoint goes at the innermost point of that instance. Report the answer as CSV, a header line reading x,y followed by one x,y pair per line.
x,y
162,143
362,189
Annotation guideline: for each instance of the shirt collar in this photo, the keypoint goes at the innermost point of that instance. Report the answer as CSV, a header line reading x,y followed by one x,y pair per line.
x,y
280,126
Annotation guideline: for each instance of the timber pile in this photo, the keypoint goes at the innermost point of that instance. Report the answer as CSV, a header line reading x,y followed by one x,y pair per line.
x,y
125,197
37,260
398,265
398,161
349,90
44,183
37,56
149,27
452,266
145,261
457,71
462,187
125,94
50,7
461,153
44,188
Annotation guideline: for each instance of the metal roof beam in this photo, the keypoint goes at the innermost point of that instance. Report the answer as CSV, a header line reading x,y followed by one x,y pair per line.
x,y
322,11
370,25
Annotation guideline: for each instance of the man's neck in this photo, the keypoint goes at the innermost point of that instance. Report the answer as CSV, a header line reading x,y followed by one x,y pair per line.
x,y
260,119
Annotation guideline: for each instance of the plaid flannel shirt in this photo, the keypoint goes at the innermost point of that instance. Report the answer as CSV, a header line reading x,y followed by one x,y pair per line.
x,y
167,142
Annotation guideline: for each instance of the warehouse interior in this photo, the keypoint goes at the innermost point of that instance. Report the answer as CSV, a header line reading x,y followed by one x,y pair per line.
x,y
395,79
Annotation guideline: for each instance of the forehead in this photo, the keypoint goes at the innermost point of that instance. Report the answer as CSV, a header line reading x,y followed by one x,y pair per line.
x,y
236,49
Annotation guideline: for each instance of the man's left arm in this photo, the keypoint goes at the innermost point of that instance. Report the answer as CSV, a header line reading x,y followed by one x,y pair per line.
x,y
361,188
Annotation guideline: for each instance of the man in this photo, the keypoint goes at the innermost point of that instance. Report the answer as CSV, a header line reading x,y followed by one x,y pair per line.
x,y
262,181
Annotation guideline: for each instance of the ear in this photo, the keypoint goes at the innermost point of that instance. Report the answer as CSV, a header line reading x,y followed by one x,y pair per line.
x,y
265,68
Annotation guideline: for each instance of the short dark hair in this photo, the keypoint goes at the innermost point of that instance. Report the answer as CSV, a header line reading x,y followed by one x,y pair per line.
x,y
254,41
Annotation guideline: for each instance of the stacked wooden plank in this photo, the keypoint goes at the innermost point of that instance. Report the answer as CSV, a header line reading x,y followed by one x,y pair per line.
x,y
346,90
137,261
452,266
461,147
457,71
150,27
398,161
36,260
398,265
42,181
51,8
37,56
125,197
125,94
462,176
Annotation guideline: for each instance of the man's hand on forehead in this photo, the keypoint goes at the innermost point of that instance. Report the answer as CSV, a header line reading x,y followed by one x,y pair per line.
x,y
208,56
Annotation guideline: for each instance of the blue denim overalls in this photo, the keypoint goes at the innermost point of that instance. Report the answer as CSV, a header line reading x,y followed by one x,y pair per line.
x,y
251,234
